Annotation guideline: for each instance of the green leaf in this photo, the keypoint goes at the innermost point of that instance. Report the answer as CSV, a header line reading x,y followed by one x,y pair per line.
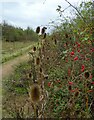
x,y
86,38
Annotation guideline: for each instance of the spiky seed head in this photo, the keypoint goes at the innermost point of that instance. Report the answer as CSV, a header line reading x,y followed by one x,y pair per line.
x,y
30,75
37,61
47,58
43,30
41,70
34,93
34,48
37,29
55,41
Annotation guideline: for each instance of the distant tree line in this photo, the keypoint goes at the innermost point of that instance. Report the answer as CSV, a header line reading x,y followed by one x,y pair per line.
x,y
11,33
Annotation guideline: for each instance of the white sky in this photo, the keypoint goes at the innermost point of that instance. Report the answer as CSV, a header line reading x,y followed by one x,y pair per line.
x,y
32,13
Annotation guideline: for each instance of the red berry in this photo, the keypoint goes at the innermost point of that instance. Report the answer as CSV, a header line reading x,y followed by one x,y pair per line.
x,y
82,68
78,50
70,83
49,84
72,53
92,83
76,58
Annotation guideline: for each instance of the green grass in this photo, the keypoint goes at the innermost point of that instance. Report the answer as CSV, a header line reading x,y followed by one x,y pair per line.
x,y
16,85
18,81
12,46
14,49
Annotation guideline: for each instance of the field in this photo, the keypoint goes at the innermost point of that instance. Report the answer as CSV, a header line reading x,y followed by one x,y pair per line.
x,y
14,49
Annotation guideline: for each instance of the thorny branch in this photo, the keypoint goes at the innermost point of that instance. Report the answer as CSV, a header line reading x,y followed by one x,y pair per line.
x,y
76,10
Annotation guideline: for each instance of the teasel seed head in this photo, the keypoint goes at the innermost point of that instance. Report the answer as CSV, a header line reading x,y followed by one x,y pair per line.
x,y
41,70
30,75
37,61
37,29
43,30
34,93
55,41
34,48
47,58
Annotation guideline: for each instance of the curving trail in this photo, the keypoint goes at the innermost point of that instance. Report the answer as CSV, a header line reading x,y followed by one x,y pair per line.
x,y
8,67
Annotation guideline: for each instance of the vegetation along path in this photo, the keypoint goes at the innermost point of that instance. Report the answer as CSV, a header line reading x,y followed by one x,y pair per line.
x,y
8,67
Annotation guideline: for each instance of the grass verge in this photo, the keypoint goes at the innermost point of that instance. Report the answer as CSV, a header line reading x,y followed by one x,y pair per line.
x,y
10,55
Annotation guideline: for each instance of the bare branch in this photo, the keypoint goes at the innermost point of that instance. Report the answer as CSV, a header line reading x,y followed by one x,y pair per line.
x,y
76,10
66,8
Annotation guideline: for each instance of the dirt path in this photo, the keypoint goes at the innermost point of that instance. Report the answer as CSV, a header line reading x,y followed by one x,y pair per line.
x,y
6,70
9,67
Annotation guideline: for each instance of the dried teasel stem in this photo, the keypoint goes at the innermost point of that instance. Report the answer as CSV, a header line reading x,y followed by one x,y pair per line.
x,y
36,111
37,61
87,103
33,69
44,36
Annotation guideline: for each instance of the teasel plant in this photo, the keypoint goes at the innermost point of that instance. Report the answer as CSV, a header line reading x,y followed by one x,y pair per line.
x,y
37,93
41,79
33,90
34,96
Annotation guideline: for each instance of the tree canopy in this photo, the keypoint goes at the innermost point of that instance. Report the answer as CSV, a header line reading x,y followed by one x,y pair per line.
x,y
11,33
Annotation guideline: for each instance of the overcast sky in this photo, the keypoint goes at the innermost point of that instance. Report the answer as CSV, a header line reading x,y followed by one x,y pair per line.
x,y
32,13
